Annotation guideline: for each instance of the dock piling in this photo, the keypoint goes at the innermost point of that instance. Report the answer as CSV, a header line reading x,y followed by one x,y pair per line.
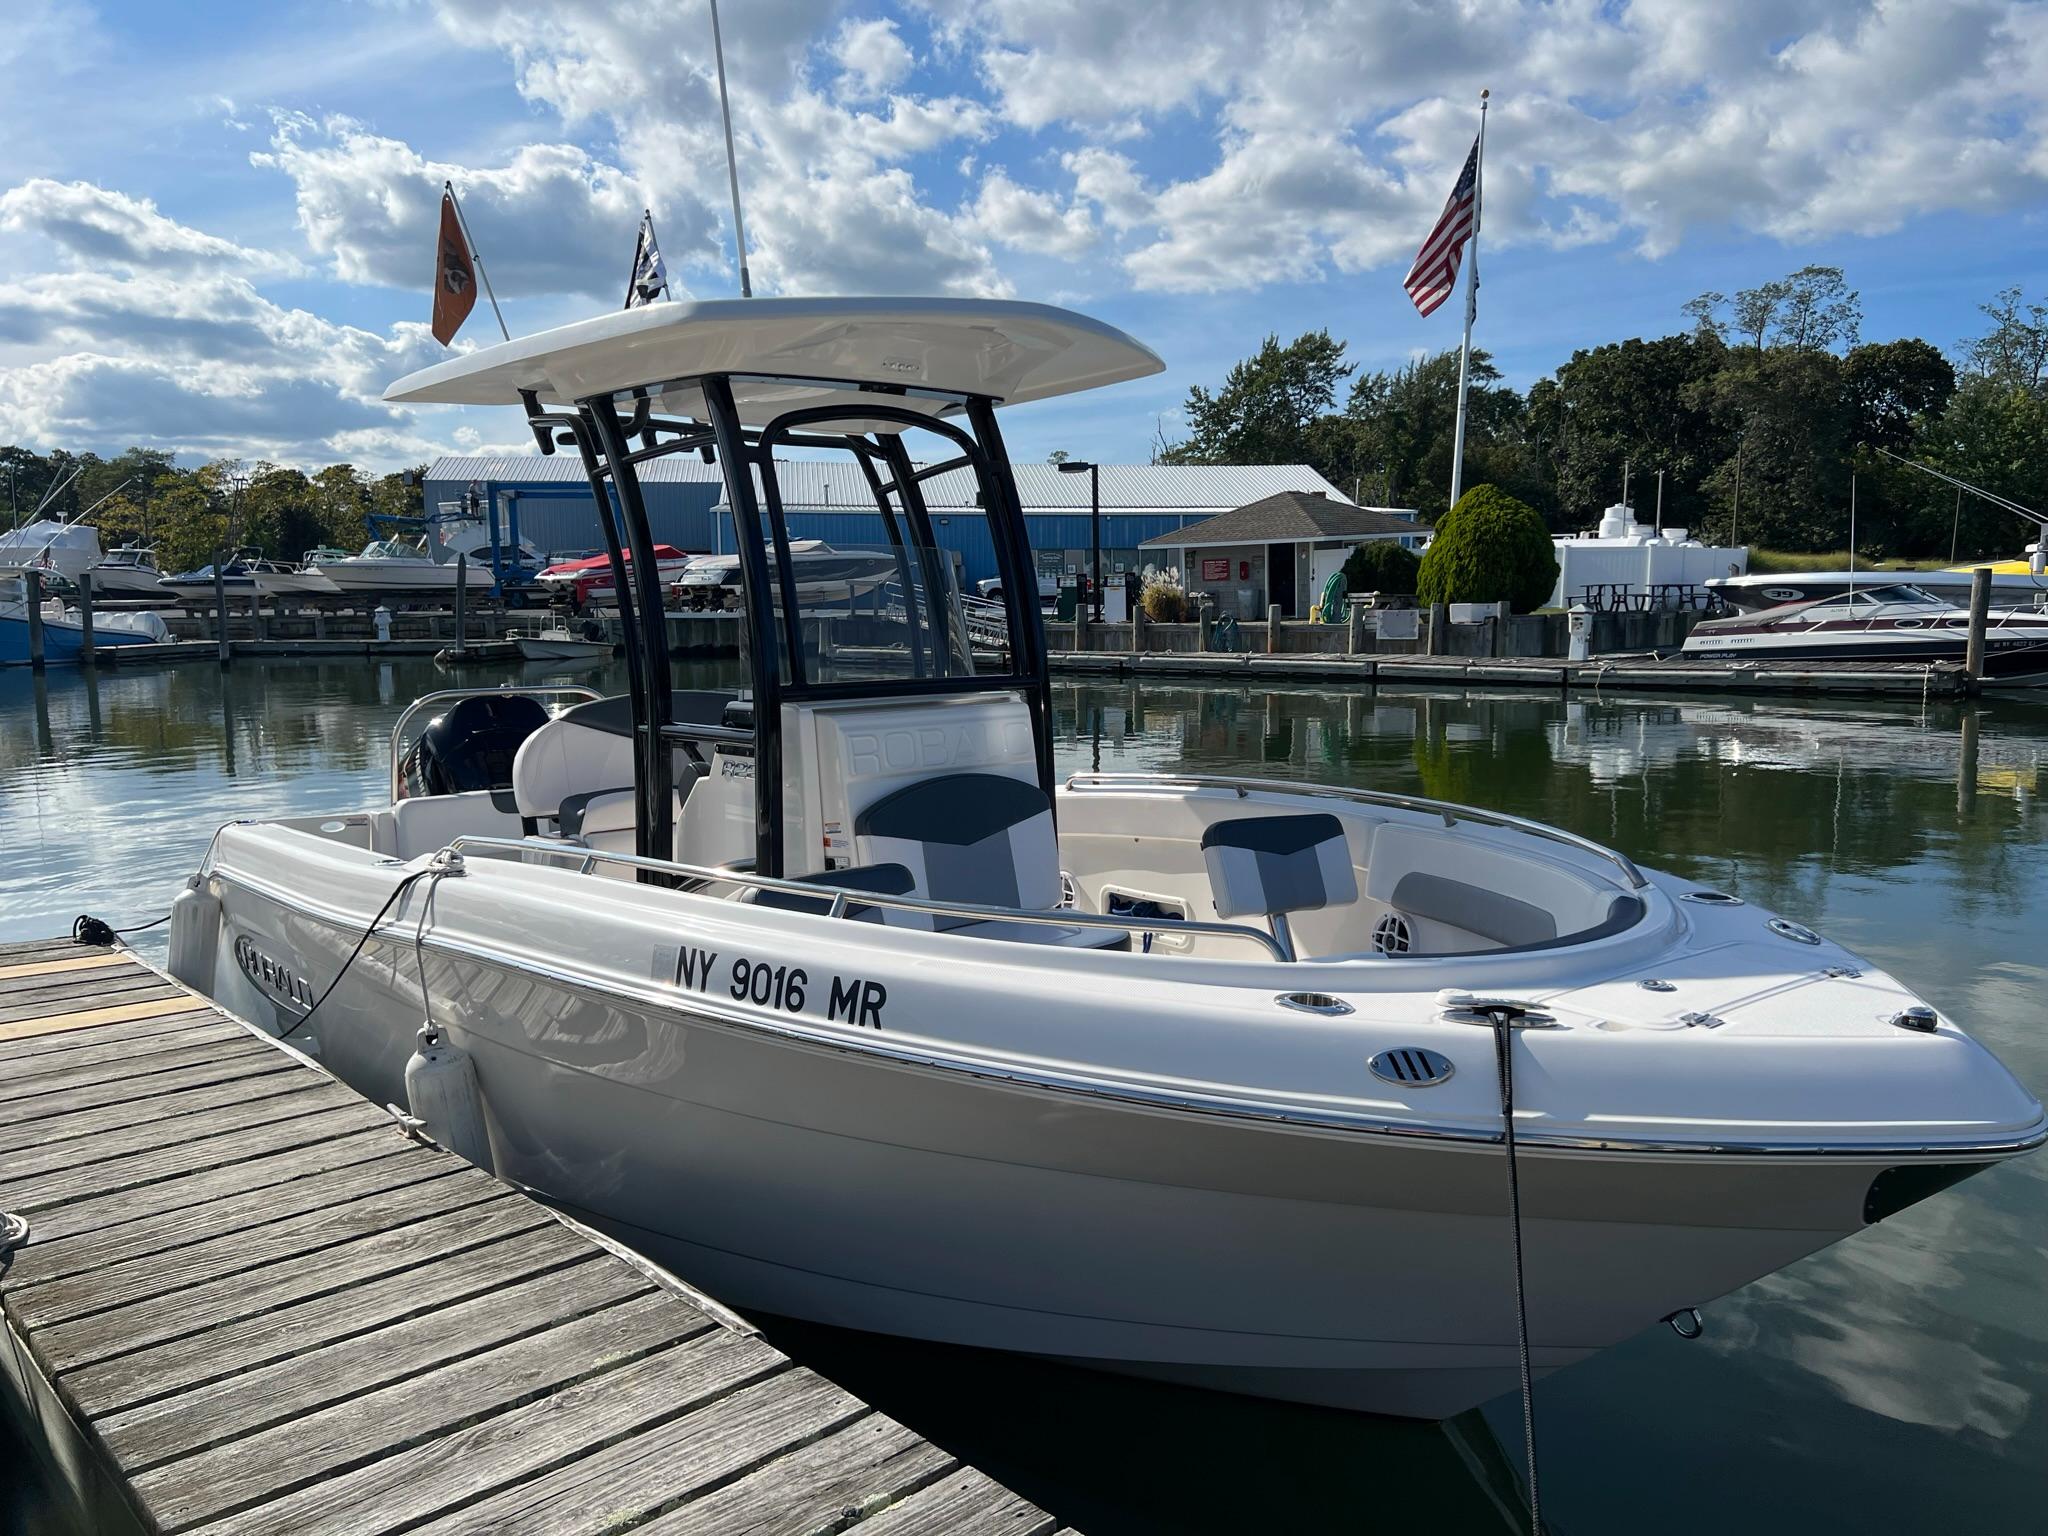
x,y
461,603
85,619
32,590
220,601
1980,616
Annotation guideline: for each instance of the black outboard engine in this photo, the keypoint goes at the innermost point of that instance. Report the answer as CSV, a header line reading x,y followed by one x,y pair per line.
x,y
470,747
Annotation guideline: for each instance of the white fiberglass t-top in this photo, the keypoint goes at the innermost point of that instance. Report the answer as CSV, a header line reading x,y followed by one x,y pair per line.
x,y
827,995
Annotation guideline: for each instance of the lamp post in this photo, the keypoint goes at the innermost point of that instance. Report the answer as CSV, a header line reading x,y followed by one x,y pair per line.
x,y
1074,467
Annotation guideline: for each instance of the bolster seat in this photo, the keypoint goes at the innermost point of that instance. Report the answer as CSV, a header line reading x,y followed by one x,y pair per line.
x,y
1269,866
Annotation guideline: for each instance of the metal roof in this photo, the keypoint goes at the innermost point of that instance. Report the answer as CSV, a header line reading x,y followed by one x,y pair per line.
x,y
1184,489
1288,517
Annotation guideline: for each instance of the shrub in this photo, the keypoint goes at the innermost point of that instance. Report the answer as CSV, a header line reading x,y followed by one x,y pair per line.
x,y
1164,602
1487,548
1381,565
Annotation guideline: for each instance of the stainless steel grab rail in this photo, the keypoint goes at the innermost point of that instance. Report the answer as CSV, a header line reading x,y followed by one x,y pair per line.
x,y
1451,814
840,899
503,690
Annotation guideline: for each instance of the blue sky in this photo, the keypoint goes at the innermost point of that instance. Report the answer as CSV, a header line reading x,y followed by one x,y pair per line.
x,y
216,224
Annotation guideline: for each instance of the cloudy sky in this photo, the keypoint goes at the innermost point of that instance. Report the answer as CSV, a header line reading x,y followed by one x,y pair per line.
x,y
216,222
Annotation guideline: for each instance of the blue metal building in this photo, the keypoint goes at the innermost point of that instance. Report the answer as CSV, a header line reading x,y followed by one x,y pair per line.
x,y
551,503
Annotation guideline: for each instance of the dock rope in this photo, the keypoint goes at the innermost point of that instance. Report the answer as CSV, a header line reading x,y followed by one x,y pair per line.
x,y
87,929
1504,1060
390,901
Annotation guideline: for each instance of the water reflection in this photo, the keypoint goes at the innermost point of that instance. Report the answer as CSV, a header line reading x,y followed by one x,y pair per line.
x,y
1890,1383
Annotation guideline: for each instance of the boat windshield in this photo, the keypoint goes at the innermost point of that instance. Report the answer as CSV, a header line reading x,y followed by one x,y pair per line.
x,y
1900,592
876,610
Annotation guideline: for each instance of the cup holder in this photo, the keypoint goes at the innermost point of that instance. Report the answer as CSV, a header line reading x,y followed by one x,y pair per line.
x,y
1314,1002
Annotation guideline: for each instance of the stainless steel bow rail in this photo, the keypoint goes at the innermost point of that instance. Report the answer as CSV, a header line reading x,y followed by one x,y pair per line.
x,y
838,900
1450,814
244,1301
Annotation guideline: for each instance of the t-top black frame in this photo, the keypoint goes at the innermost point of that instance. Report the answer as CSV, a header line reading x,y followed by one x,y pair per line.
x,y
606,441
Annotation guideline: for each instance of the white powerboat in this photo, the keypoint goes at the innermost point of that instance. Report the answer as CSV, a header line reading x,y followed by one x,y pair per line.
x,y
1892,622
64,627
249,573
402,565
831,999
559,642
822,575
51,547
128,573
2014,584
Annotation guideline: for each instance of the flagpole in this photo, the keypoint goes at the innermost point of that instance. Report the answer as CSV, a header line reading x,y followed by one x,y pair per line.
x,y
732,165
470,240
654,243
633,272
1471,305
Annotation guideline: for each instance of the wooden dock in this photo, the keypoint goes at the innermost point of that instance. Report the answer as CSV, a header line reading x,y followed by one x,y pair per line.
x,y
1936,680
248,1304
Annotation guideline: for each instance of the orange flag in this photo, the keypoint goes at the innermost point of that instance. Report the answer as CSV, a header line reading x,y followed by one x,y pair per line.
x,y
454,274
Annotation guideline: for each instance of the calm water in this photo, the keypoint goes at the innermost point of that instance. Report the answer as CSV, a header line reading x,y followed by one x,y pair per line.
x,y
1894,1383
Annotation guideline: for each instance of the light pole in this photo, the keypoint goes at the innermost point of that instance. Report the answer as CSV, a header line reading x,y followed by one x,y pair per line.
x,y
1074,467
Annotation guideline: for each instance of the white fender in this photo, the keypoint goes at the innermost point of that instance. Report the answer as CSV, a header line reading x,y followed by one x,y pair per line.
x,y
441,1090
195,936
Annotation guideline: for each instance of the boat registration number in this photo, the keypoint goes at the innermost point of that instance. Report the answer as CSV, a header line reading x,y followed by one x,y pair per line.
x,y
851,1000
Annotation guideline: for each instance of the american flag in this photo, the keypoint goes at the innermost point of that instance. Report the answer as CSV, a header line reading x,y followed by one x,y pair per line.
x,y
1435,273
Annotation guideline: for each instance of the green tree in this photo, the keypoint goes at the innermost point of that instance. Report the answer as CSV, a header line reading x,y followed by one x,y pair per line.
x,y
2014,352
1489,548
1892,385
190,524
1399,429
1790,419
1267,406
1634,403
1381,565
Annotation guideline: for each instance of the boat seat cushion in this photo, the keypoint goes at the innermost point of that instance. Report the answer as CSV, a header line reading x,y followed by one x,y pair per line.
x,y
563,759
885,879
1491,915
983,838
1263,865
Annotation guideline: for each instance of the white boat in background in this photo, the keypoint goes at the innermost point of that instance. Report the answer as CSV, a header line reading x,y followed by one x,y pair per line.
x,y
54,548
2014,584
561,642
128,573
248,574
823,575
400,565
833,999
1889,622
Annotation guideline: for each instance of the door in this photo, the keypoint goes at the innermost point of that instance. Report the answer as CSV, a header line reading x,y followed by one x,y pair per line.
x,y
1323,564
1280,578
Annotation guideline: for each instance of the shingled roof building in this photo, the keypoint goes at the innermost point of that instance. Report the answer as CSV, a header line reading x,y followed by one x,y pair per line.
x,y
1279,549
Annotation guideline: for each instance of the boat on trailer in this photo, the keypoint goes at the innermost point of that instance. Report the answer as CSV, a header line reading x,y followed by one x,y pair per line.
x,y
827,995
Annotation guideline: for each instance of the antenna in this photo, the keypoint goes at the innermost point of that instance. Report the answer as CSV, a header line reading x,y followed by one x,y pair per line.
x,y
2005,503
732,165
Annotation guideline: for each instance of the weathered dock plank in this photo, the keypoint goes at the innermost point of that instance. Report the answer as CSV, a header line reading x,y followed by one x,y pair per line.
x,y
262,1310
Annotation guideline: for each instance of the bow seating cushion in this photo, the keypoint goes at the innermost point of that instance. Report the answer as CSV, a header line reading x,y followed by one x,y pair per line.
x,y
982,838
1263,865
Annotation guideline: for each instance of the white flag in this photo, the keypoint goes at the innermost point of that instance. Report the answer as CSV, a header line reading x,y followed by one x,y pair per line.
x,y
650,273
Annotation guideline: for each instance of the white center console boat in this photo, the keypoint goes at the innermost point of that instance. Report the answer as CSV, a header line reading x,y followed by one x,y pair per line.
x,y
829,997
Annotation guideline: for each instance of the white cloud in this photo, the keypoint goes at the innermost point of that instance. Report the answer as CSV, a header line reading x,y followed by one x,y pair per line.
x,y
550,220
98,228
872,56
1028,220
1797,119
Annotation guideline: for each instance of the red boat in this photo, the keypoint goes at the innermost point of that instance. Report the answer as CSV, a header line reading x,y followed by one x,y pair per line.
x,y
592,578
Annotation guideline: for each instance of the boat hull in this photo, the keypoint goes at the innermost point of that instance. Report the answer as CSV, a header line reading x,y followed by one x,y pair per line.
x,y
64,638
832,1183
